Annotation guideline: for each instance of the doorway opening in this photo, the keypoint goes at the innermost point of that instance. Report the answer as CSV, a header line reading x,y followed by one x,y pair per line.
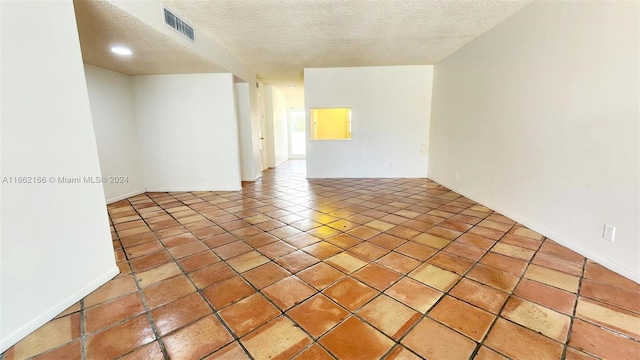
x,y
297,134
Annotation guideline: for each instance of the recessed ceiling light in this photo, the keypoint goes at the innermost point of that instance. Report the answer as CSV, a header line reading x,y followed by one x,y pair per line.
x,y
292,87
120,50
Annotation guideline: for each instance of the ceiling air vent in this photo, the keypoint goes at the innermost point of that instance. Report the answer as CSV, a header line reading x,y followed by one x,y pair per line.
x,y
178,24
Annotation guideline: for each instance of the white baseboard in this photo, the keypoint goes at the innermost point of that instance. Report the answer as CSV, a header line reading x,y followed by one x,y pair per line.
x,y
125,196
11,339
281,162
254,179
191,189
551,234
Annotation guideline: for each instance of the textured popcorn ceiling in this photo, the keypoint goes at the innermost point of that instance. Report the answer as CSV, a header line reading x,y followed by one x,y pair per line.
x,y
102,25
278,38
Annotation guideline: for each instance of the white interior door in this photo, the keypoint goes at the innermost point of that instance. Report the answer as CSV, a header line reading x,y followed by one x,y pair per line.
x,y
261,135
297,134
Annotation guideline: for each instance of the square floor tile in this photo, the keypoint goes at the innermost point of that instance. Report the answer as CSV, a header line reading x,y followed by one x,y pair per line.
x,y
197,340
180,313
558,263
387,241
278,339
322,250
402,353
288,292
468,252
363,232
493,277
187,249
211,274
350,293
53,334
414,294
111,312
232,249
120,339
302,240
198,261
608,316
613,295
227,292
354,339
276,249
476,240
314,352
416,251
158,274
513,251
376,276
450,262
432,340
553,298
389,316
602,343
320,275
462,317
368,251
504,263
482,296
380,225
435,277
403,232
317,314
149,261
248,314
247,261
573,354
296,261
398,262
71,351
433,241
167,291
112,289
484,353
518,342
232,351
553,277
265,275
344,241
596,272
346,262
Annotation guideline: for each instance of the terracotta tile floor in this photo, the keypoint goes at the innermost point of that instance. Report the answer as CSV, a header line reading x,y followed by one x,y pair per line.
x,y
342,268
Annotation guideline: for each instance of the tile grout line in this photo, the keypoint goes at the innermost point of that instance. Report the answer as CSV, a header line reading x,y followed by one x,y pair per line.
x,y
575,309
83,333
198,290
142,297
405,275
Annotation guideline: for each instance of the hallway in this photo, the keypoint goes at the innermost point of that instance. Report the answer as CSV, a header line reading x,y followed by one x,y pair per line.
x,y
339,268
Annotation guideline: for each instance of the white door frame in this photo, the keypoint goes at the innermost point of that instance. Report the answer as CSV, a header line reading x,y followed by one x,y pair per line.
x,y
291,155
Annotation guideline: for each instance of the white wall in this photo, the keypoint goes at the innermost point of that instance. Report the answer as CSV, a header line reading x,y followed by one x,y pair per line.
x,y
112,111
55,239
150,12
243,111
276,117
188,132
260,128
390,121
539,116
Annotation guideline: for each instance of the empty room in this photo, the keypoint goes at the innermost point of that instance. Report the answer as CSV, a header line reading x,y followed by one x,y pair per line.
x,y
321,179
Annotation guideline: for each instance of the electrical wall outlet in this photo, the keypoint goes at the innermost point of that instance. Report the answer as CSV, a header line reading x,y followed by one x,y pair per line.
x,y
457,176
609,232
